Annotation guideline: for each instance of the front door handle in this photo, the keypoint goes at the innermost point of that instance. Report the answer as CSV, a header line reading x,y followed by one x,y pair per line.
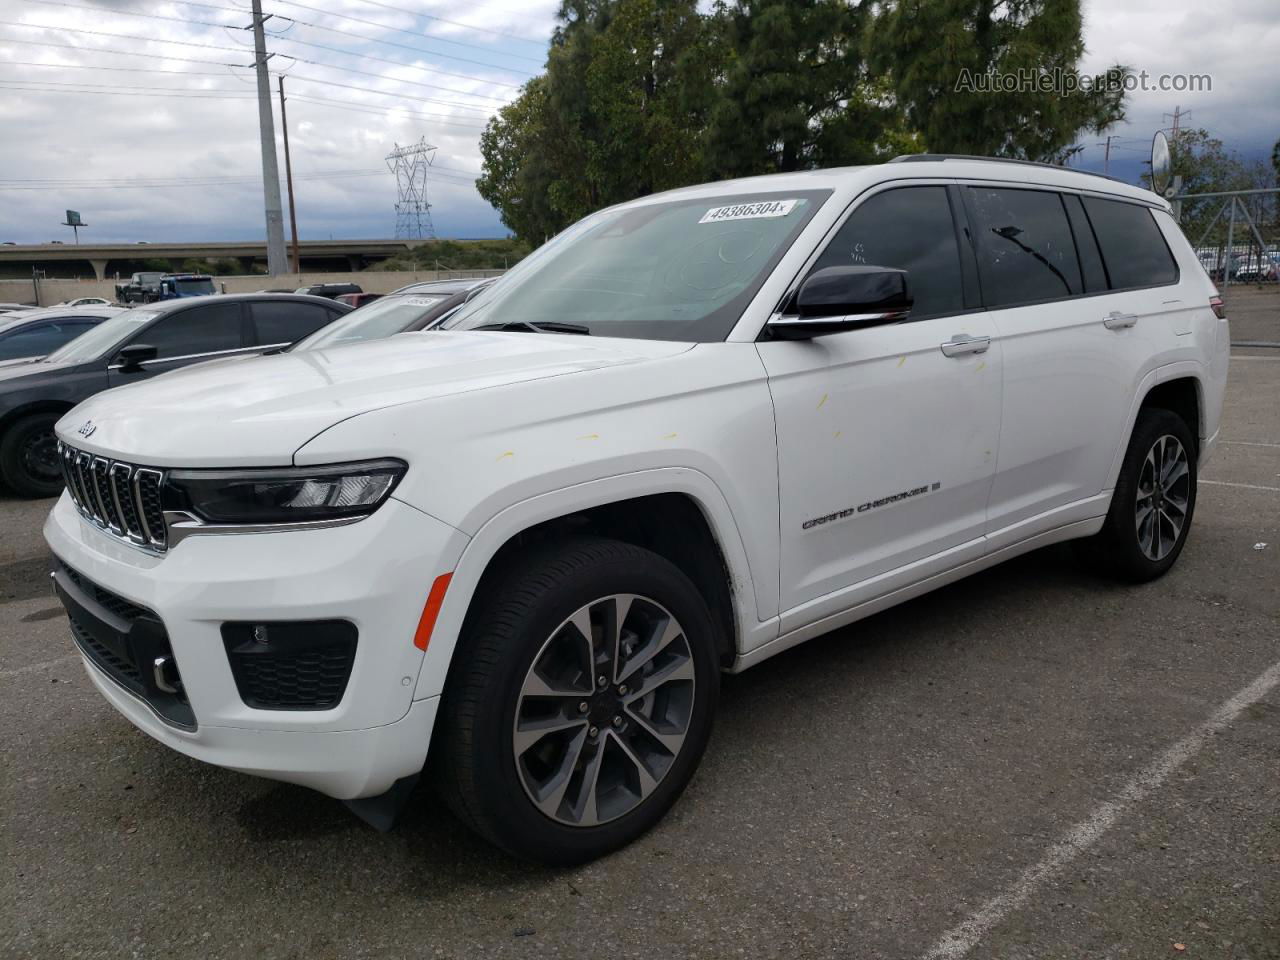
x,y
962,344
1119,321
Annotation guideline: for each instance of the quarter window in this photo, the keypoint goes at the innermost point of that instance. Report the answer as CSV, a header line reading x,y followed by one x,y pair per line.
x,y
1132,245
907,228
1025,250
206,329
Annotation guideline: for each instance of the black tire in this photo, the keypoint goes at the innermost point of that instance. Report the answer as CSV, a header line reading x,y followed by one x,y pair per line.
x,y
24,449
517,611
1117,549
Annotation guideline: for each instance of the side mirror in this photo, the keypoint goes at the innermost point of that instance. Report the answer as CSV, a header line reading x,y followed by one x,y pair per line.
x,y
135,355
835,299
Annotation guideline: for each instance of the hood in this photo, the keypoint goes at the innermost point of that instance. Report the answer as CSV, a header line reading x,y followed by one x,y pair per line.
x,y
257,412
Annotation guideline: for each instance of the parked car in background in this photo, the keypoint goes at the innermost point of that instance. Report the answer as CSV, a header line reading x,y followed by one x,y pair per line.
x,y
10,307
32,334
129,347
330,290
357,299
693,431
396,313
142,287
85,302
435,286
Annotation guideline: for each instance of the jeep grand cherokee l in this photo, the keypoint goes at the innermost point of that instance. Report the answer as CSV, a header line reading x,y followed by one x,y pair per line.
x,y
688,433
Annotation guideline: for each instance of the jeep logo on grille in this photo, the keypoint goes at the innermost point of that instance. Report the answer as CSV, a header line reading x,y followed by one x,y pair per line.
x,y
87,428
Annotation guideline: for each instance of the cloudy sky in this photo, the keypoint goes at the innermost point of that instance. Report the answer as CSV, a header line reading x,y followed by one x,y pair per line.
x,y
147,124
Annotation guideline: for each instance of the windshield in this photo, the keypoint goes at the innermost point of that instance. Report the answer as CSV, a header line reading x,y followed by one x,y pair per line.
x,y
379,319
682,270
103,338
194,287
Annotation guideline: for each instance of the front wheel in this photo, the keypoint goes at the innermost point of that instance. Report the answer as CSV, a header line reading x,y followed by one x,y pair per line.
x,y
29,457
1153,502
580,700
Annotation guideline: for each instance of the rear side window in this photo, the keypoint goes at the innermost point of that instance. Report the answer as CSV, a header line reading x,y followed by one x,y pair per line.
x,y
908,228
1132,245
207,329
40,339
1025,249
283,321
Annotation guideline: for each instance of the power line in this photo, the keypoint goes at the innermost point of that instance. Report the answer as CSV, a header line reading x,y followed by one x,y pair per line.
x,y
305,43
384,93
113,53
316,26
431,117
93,66
454,23
127,91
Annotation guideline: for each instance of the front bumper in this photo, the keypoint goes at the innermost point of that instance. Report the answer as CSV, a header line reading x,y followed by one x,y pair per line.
x,y
375,574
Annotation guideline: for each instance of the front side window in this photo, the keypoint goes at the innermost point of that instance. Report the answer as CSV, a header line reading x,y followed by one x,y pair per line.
x,y
907,228
679,270
33,341
206,329
1025,249
1132,245
103,339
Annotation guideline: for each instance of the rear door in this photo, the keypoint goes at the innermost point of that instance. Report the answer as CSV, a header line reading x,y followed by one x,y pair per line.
x,y
886,435
1074,349
186,336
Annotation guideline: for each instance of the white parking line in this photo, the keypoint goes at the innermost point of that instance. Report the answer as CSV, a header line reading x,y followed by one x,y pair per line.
x,y
36,667
958,941
1250,443
1242,486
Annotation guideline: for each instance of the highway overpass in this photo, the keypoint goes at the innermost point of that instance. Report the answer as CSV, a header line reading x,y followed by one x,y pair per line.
x,y
104,260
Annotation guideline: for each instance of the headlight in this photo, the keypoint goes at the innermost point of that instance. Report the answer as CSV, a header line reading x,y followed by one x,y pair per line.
x,y
282,495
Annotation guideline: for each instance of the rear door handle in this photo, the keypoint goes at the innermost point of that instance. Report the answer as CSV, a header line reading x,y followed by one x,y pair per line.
x,y
962,344
1119,321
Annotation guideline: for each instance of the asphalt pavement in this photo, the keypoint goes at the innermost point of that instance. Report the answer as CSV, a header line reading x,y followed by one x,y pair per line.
x,y
1031,763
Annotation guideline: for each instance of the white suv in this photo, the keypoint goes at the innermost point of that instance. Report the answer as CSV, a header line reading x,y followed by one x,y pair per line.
x,y
688,433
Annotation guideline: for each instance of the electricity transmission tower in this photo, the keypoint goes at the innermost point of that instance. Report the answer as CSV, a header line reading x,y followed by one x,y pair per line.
x,y
413,212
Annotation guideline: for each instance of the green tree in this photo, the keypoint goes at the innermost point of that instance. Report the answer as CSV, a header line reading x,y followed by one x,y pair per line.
x,y
797,93
620,112
938,55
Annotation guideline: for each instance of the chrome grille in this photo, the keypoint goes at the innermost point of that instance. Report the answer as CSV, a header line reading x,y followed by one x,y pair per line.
x,y
121,498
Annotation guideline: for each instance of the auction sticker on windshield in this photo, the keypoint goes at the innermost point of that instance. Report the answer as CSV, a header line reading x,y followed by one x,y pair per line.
x,y
749,211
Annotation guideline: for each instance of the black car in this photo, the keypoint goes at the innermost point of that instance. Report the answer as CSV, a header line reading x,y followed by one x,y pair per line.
x,y
330,290
416,307
131,346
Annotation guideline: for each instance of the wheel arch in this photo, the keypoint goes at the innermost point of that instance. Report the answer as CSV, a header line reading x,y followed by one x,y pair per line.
x,y
9,417
623,508
1175,386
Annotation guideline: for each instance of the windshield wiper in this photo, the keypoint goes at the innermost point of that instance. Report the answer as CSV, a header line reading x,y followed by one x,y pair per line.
x,y
542,326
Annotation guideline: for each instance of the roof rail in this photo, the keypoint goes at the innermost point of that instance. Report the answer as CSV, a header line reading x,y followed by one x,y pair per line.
x,y
925,157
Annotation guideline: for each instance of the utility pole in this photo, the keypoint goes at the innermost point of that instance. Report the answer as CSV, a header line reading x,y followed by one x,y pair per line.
x,y
1106,159
277,262
288,176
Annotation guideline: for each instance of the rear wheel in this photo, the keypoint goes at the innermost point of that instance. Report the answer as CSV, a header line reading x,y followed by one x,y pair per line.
x,y
29,456
580,701
1153,502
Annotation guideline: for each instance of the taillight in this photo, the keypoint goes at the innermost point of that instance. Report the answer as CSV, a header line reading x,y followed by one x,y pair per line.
x,y
1219,311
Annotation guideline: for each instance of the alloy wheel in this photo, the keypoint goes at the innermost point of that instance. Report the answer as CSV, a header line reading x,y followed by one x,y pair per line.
x,y
1164,490
604,710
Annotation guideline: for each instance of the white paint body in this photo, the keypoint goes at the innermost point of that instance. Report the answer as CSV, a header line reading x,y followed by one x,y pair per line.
x,y
502,431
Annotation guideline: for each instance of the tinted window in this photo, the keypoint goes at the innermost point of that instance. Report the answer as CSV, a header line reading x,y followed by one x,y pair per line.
x,y
1132,246
44,338
198,330
284,322
911,229
1025,249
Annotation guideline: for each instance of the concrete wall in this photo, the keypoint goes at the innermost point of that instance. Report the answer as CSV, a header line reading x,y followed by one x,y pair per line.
x,y
56,291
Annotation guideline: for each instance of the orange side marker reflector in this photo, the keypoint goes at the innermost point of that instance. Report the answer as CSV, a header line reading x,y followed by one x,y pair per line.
x,y
432,610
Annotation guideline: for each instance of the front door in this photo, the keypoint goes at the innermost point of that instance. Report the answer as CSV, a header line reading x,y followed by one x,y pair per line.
x,y
184,337
887,435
